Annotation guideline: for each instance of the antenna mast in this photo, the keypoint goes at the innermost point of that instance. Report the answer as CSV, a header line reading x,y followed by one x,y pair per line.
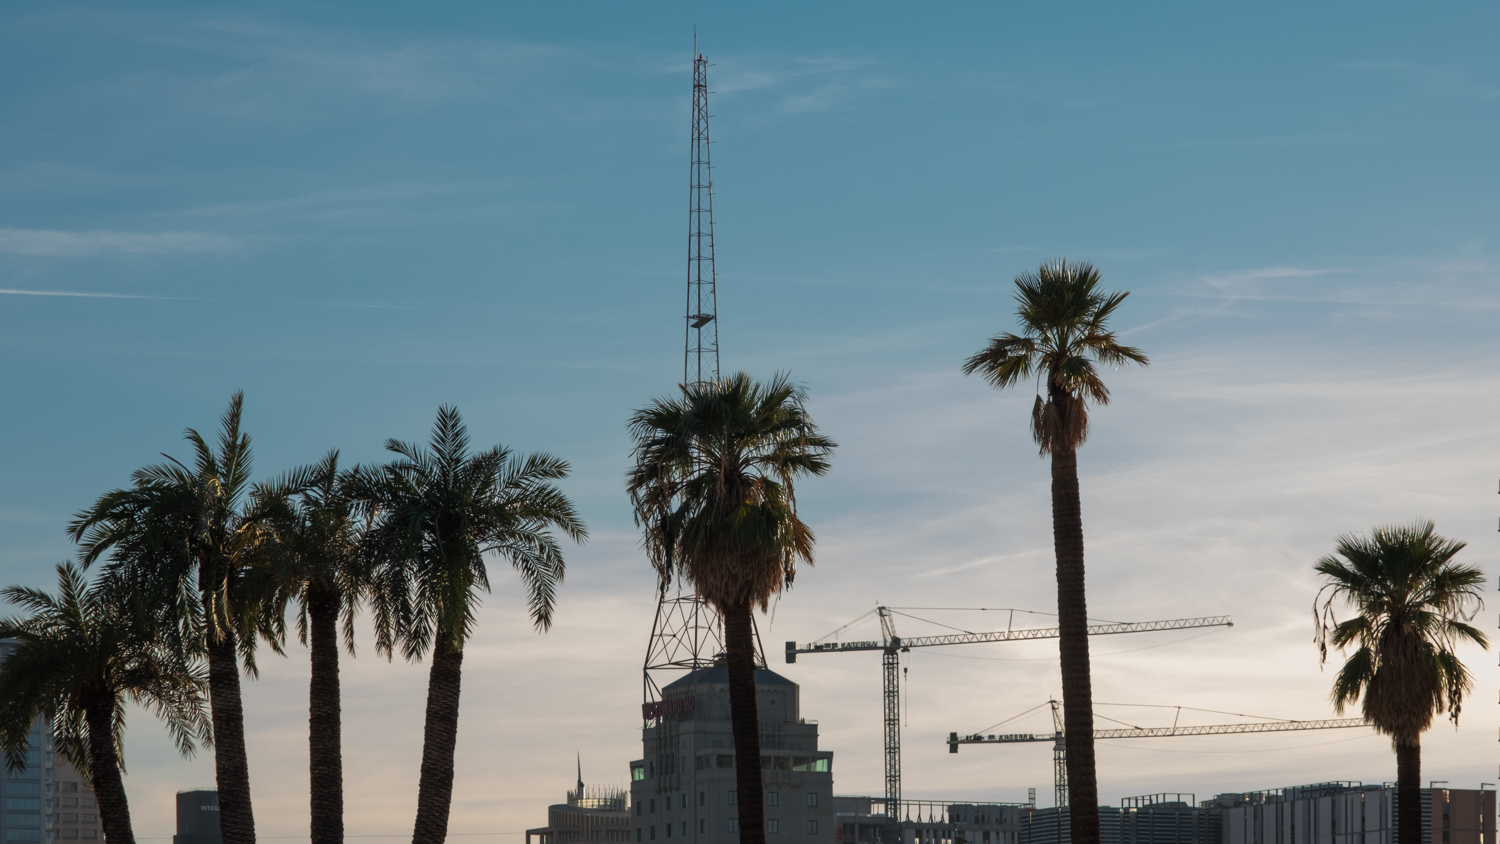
x,y
700,361
687,633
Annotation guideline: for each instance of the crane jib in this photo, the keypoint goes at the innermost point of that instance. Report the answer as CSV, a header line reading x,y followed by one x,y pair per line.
x,y
792,648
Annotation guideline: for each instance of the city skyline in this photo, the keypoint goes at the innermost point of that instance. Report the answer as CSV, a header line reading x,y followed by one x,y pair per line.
x,y
356,213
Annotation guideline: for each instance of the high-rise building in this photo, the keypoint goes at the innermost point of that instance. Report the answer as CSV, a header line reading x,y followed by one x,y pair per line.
x,y
683,789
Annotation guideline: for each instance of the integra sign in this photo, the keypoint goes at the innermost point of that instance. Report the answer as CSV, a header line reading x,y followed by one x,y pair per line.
x,y
675,706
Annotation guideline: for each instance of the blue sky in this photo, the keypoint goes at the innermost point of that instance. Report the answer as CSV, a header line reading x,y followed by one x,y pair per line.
x,y
357,212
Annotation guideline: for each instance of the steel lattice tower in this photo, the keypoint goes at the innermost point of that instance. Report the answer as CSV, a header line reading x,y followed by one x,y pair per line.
x,y
687,633
700,361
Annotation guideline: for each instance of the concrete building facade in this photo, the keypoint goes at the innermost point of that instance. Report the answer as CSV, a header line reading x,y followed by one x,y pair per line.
x,y
1352,813
683,788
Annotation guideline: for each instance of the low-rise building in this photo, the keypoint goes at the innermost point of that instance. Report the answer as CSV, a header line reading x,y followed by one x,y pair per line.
x,y
1353,813
590,816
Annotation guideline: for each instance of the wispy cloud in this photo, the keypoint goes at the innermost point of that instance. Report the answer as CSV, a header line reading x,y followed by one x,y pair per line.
x,y
1445,80
798,84
86,243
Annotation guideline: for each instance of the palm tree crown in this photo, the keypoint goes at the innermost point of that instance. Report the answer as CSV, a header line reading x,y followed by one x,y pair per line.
x,y
441,509
712,485
1064,318
1411,603
80,655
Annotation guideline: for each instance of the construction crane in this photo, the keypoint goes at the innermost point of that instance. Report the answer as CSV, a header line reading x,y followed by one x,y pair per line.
x,y
1059,753
891,646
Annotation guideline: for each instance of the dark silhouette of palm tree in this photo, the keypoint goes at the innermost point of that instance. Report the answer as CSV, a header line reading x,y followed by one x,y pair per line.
x,y
712,488
1064,334
201,540
80,654
440,510
1411,602
323,572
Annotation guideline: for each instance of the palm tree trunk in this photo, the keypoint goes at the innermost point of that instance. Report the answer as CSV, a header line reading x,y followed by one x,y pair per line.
x,y
325,755
739,647
1073,646
231,765
1409,791
114,808
439,738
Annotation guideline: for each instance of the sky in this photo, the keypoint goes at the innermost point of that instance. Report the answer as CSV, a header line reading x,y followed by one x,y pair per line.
x,y
358,212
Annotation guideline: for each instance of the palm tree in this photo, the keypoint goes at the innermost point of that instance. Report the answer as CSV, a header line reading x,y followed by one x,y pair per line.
x,y
201,539
1411,602
1064,335
440,510
80,654
712,487
323,573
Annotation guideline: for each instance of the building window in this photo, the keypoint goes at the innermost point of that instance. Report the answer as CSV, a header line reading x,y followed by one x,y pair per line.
x,y
705,761
702,798
653,832
88,803
703,827
653,808
773,826
89,819
638,772
23,804
637,835
725,761
68,817
812,827
734,798
669,830
91,833
684,828
812,798
68,786
638,807
26,834
668,801
67,833
734,824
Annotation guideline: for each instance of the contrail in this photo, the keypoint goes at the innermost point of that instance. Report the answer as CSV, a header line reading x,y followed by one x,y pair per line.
x,y
17,292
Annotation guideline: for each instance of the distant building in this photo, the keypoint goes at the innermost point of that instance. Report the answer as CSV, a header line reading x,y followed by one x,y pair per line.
x,y
1168,819
49,800
862,820
1352,813
1051,826
684,787
599,816
198,817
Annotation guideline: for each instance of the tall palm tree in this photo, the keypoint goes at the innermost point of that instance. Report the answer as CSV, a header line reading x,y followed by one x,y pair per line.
x,y
712,487
440,511
322,571
1411,602
1064,335
201,538
80,654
